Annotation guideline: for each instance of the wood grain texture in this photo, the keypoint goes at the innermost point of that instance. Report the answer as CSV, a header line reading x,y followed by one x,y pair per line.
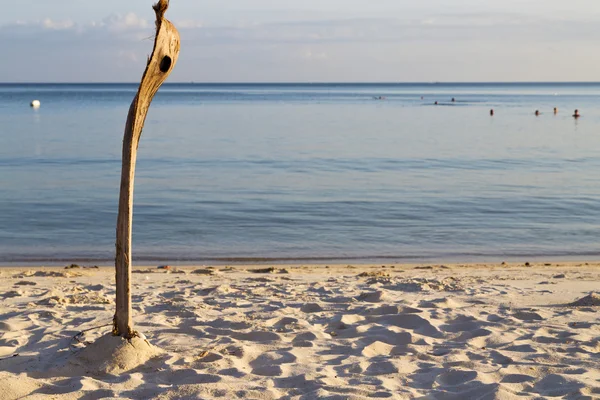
x,y
160,64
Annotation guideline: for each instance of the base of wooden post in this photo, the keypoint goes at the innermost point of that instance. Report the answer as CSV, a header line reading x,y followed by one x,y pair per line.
x,y
114,355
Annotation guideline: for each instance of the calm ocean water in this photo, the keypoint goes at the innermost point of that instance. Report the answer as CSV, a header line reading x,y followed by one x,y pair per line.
x,y
301,171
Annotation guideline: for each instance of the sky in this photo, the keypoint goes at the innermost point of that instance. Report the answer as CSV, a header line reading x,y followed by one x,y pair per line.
x,y
305,40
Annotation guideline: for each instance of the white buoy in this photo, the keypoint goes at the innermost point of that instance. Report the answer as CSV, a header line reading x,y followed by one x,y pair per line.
x,y
36,104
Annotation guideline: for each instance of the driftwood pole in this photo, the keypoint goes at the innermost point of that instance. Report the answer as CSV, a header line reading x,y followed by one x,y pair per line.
x,y
160,64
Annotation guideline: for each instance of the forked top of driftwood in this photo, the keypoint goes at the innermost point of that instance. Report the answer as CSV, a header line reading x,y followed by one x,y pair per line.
x,y
160,8
160,64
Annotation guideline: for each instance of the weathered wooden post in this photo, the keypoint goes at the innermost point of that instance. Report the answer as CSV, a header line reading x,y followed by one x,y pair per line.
x,y
160,64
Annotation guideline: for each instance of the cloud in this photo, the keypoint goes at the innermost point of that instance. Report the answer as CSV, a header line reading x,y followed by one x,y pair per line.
x,y
311,54
56,25
189,24
439,28
436,47
496,27
115,26
479,19
118,22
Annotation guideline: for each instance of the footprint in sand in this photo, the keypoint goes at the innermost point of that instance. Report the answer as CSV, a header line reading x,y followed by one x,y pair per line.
x,y
443,303
495,318
517,379
350,369
413,322
233,372
385,335
268,364
455,378
255,336
309,308
373,297
521,348
304,340
528,316
462,323
191,377
555,385
11,294
499,358
208,358
381,368
95,288
391,310
220,323
286,324
268,370
473,334
25,283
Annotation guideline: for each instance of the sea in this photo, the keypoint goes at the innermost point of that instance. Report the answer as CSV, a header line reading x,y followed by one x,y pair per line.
x,y
304,173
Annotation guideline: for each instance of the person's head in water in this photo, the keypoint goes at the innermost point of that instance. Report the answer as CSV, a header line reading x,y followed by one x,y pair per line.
x,y
576,114
492,111
436,103
453,99
555,110
537,112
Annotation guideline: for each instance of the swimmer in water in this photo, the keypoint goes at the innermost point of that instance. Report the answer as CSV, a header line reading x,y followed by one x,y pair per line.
x,y
492,112
537,113
453,99
436,103
555,110
576,114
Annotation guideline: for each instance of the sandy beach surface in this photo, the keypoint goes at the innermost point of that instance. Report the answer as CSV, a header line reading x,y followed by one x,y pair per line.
x,y
305,332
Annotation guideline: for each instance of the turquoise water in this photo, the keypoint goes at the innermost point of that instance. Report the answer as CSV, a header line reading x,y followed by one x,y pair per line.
x,y
300,171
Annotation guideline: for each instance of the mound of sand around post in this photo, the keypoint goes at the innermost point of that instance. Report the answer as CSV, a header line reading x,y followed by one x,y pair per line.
x,y
115,355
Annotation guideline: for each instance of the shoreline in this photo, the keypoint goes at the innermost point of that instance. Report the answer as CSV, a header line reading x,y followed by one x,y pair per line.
x,y
314,263
241,261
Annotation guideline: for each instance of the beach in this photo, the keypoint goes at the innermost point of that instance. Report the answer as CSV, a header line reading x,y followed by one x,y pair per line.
x,y
330,203
453,331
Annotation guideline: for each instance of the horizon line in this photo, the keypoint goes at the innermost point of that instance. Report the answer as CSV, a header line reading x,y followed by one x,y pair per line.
x,y
299,82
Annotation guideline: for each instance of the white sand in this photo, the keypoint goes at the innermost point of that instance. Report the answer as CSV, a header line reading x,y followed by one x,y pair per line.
x,y
457,332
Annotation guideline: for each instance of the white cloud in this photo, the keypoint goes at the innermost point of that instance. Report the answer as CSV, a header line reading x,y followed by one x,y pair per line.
x,y
56,25
311,54
437,28
188,24
115,23
469,46
129,21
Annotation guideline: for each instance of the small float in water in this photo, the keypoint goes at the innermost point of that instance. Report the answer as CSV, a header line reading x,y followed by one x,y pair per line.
x,y
35,104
